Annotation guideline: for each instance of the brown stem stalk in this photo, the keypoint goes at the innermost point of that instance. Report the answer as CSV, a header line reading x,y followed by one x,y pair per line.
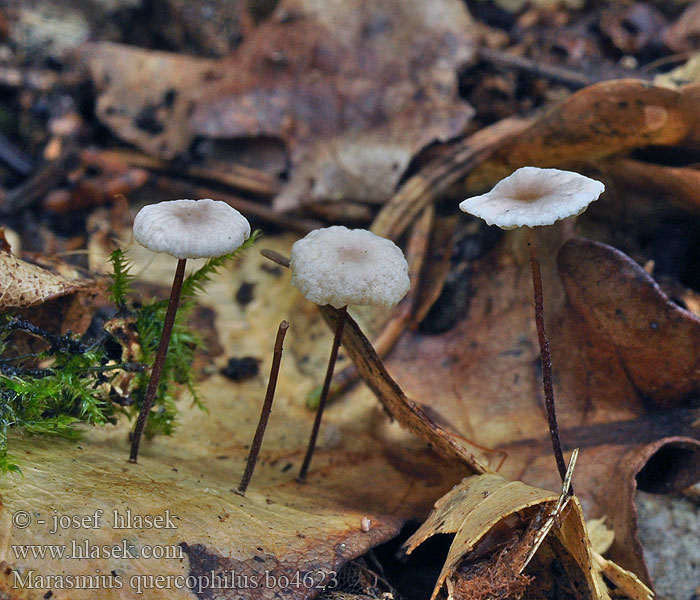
x,y
159,361
342,313
266,410
546,363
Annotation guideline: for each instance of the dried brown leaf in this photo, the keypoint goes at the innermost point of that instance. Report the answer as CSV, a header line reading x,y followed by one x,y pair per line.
x,y
23,285
503,547
355,92
677,184
146,96
596,122
625,401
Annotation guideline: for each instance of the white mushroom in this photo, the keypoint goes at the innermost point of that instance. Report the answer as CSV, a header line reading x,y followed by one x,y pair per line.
x,y
341,266
191,228
532,197
184,229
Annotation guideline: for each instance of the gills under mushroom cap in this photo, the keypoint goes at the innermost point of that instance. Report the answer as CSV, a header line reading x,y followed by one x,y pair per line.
x,y
191,228
531,197
341,266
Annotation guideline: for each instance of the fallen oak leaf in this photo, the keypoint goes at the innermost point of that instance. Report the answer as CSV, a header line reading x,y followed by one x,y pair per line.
x,y
597,122
23,285
145,96
656,340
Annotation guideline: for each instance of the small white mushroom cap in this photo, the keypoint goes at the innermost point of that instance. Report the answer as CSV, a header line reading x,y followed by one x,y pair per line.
x,y
341,266
191,228
531,197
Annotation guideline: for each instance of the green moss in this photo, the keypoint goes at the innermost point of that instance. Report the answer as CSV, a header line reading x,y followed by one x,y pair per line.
x,y
73,384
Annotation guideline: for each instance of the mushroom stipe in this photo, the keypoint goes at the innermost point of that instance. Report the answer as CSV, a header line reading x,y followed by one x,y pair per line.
x,y
342,314
159,361
546,364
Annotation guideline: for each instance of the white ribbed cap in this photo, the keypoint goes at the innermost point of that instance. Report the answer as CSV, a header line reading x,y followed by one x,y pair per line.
x,y
191,228
341,266
531,197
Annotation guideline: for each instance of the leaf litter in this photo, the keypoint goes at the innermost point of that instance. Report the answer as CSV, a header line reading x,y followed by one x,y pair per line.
x,y
638,422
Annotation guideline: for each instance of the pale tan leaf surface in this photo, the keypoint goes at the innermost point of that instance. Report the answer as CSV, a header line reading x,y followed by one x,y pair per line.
x,y
23,284
280,527
626,582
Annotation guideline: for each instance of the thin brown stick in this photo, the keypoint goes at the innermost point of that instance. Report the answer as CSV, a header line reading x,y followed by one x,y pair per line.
x,y
159,361
236,176
342,314
546,362
275,257
266,410
568,77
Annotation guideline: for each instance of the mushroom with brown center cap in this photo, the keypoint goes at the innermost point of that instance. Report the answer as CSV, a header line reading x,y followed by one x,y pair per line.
x,y
533,197
341,266
184,229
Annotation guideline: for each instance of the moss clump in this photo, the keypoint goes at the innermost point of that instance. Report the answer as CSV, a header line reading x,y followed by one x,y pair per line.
x,y
81,381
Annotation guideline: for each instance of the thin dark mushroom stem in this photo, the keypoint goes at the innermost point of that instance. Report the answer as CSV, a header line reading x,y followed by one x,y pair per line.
x,y
546,363
266,410
159,361
342,314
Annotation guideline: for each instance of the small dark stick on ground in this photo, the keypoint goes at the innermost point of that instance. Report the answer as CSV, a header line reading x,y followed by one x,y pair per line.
x,y
342,313
546,364
266,410
159,360
275,257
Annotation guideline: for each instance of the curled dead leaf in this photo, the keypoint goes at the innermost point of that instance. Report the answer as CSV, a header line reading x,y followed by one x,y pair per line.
x,y
596,122
657,341
23,285
503,548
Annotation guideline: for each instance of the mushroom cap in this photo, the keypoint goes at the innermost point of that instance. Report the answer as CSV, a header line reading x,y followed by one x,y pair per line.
x,y
531,197
191,228
341,266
